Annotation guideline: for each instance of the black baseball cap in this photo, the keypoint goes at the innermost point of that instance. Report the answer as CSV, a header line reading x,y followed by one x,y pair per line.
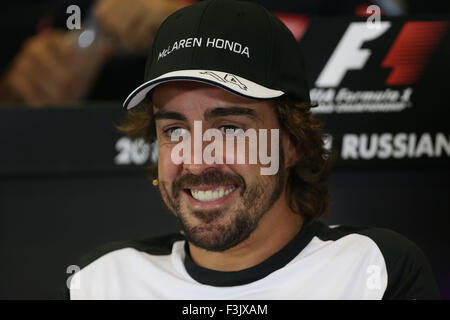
x,y
236,45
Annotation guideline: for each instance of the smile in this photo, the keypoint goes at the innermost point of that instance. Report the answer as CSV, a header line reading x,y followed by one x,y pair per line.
x,y
210,193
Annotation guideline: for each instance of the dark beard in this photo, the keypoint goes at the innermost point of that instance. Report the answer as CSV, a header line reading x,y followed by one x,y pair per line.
x,y
257,200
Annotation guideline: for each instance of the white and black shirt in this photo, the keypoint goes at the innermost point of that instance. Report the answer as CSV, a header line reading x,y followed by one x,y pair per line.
x,y
321,262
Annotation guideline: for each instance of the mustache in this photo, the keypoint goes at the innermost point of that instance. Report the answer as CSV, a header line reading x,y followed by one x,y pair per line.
x,y
190,180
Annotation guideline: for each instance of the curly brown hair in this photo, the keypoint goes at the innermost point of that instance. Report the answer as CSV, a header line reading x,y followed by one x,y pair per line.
x,y
307,189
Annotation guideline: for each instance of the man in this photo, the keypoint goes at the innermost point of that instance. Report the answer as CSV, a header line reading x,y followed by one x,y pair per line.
x,y
231,71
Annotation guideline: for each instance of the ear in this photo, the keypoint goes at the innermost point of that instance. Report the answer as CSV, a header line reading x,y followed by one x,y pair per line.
x,y
290,151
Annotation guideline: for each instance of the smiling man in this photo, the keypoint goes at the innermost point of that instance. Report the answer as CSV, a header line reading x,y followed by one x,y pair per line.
x,y
221,205
236,69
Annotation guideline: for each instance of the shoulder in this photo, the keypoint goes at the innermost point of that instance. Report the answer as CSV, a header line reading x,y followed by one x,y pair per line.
x,y
409,272
113,258
161,245
387,240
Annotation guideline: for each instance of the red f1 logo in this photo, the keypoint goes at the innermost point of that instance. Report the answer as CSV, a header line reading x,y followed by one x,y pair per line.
x,y
407,57
412,50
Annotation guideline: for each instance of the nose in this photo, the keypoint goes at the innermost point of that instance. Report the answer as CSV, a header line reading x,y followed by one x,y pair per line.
x,y
202,148
198,169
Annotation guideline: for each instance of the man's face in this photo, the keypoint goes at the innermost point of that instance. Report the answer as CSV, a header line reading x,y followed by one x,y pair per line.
x,y
217,205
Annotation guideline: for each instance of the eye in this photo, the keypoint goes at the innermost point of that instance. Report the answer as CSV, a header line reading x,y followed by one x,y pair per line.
x,y
174,133
230,129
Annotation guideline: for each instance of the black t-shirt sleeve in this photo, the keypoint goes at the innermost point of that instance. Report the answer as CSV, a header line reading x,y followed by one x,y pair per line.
x,y
409,273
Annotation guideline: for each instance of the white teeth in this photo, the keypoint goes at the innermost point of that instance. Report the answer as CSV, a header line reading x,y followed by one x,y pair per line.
x,y
209,195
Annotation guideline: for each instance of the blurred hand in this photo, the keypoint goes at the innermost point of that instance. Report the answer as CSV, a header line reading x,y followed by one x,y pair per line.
x,y
49,70
134,22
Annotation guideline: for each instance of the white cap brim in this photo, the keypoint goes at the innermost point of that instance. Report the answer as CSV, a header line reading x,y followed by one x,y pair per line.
x,y
224,80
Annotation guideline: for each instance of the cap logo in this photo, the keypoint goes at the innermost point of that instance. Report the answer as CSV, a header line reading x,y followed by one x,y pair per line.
x,y
227,78
217,43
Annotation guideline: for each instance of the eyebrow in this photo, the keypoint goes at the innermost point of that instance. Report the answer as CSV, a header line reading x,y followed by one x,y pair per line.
x,y
169,115
209,114
231,111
